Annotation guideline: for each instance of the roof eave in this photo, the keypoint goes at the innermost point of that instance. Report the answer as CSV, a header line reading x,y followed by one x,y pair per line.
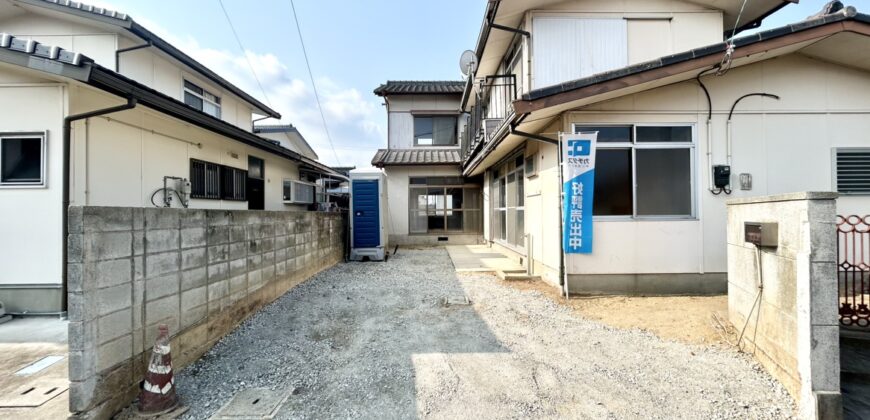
x,y
130,25
117,84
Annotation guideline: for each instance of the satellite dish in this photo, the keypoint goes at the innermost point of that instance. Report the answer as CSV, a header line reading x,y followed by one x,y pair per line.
x,y
468,63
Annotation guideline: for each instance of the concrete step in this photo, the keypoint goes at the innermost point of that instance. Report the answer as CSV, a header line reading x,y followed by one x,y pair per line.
x,y
516,275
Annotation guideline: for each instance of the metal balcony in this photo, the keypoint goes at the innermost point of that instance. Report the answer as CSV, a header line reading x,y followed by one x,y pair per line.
x,y
493,106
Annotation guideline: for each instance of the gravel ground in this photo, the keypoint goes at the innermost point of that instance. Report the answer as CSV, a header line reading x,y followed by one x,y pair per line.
x,y
372,340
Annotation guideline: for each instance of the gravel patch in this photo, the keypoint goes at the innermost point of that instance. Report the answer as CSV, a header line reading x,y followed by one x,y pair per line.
x,y
374,340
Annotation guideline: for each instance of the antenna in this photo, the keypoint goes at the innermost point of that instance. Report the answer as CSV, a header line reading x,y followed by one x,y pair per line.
x,y
468,63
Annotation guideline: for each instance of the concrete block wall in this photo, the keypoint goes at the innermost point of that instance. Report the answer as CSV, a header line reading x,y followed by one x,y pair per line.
x,y
793,330
201,272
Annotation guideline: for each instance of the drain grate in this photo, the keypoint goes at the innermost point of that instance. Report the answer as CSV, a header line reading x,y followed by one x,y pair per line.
x,y
34,394
39,365
252,404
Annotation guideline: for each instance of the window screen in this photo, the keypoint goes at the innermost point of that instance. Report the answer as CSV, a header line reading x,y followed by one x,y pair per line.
x,y
664,182
649,173
21,160
613,186
652,134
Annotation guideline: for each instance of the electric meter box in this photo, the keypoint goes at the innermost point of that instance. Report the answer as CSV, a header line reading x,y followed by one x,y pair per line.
x,y
761,234
368,215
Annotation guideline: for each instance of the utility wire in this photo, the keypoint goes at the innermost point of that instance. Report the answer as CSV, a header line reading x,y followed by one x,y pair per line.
x,y
245,53
725,64
313,84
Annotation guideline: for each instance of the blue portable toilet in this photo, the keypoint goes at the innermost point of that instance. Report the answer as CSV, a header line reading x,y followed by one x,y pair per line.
x,y
368,214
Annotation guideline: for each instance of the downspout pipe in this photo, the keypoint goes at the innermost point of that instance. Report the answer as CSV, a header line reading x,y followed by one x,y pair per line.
x,y
255,120
118,53
67,147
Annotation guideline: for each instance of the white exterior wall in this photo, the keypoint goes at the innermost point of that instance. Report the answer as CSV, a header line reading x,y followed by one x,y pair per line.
x,y
148,66
31,229
785,145
116,163
292,141
398,207
96,43
653,28
400,114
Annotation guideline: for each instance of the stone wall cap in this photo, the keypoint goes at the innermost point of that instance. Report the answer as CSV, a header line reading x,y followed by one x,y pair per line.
x,y
796,196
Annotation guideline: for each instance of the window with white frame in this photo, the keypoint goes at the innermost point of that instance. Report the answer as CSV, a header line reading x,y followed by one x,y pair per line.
x,y
22,159
643,171
202,99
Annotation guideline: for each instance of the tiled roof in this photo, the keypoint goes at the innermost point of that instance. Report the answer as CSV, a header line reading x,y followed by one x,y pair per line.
x,y
91,9
413,87
37,49
387,157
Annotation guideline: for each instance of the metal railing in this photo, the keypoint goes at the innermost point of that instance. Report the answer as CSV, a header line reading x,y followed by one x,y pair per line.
x,y
493,106
853,270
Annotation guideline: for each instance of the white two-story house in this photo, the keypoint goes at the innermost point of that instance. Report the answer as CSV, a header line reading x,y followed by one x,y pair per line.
x,y
785,109
96,110
430,202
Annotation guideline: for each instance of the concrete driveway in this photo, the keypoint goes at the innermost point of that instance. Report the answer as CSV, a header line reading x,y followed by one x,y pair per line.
x,y
375,340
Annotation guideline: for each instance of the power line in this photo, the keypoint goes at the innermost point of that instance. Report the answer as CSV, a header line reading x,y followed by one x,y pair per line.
x,y
245,53
313,84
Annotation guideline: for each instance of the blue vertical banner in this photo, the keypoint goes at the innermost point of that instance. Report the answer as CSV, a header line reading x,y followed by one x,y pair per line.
x,y
578,175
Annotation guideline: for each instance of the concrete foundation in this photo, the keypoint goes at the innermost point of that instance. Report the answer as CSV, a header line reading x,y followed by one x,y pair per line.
x,y
200,271
32,299
648,284
786,295
436,240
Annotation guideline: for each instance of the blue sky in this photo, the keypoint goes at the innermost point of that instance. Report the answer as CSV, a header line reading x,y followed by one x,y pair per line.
x,y
353,45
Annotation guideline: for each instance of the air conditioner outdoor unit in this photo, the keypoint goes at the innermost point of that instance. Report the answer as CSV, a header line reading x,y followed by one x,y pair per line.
x,y
298,192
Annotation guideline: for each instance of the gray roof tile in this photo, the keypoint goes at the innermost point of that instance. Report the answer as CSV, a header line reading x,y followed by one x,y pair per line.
x,y
34,48
398,157
417,87
91,9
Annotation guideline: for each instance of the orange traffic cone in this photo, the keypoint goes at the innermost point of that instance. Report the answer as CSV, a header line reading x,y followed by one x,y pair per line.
x,y
158,389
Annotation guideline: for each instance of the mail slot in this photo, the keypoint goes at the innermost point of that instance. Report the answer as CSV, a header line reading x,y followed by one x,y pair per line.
x,y
761,234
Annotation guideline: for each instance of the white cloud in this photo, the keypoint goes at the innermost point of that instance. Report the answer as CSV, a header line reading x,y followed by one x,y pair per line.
x,y
356,124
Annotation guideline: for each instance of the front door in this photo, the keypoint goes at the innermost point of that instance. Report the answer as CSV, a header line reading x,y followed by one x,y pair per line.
x,y
255,190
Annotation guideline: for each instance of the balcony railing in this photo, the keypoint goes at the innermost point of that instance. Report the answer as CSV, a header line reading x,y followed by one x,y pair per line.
x,y
493,106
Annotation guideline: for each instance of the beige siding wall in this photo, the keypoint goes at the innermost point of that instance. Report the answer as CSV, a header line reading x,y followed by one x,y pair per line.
x,y
31,228
96,43
655,28
397,185
117,163
785,145
401,119
147,66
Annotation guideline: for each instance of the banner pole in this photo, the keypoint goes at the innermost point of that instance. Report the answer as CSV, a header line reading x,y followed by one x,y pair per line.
x,y
564,257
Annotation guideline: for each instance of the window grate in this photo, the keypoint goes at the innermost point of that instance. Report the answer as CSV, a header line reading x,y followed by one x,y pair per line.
x,y
233,183
853,171
205,180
